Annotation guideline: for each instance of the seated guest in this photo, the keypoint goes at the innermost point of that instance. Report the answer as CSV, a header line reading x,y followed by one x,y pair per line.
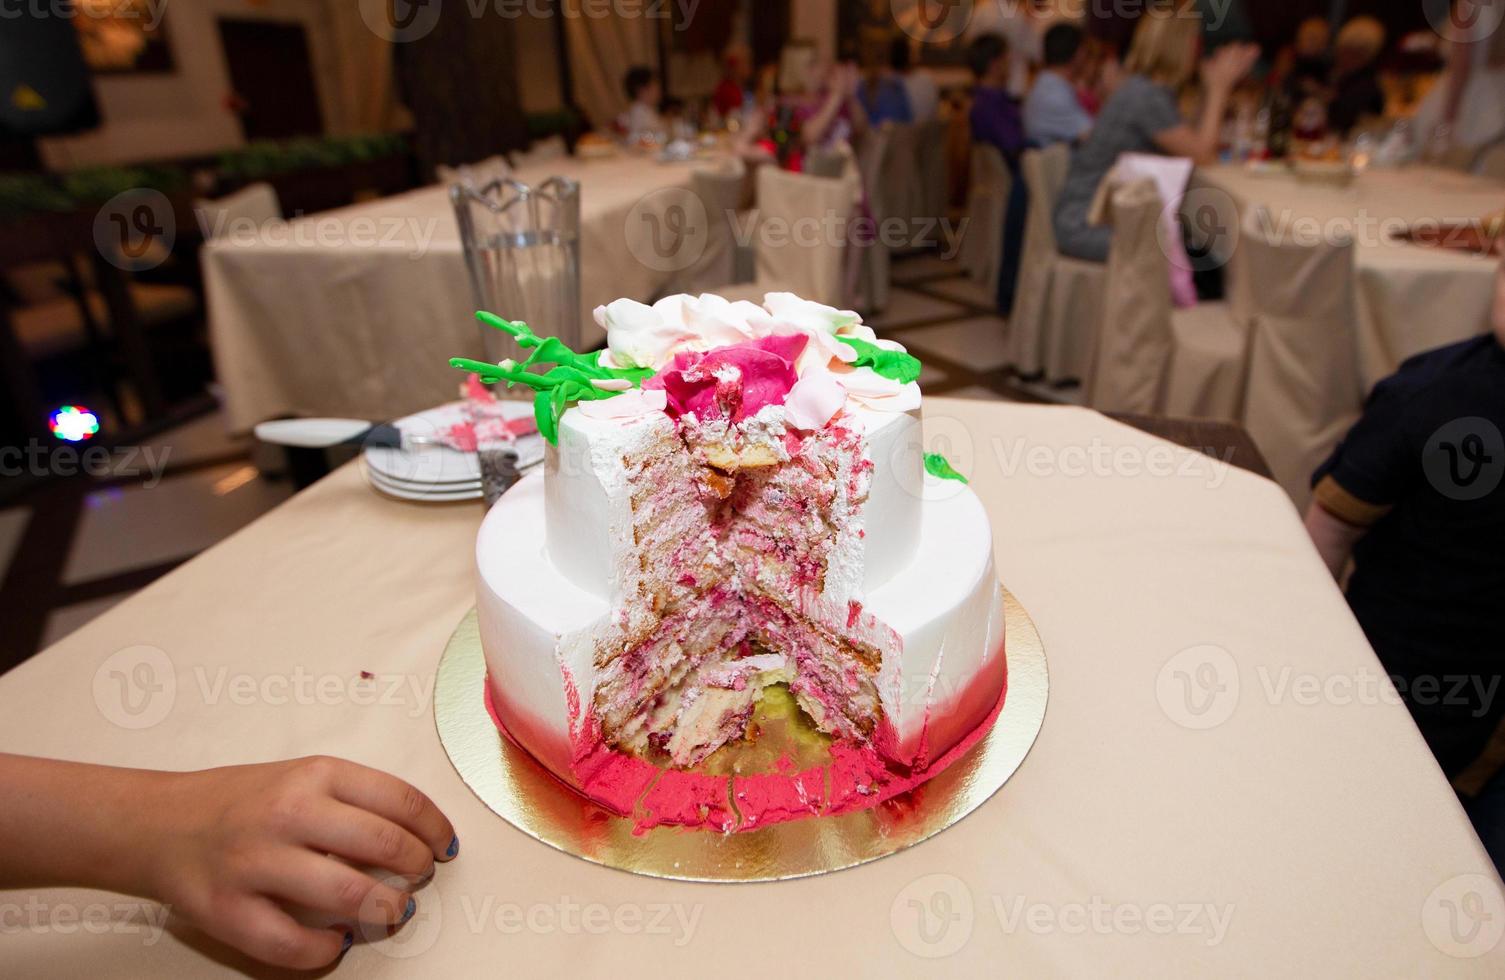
x,y
919,84
1466,102
1303,67
997,121
1052,112
1141,117
996,118
885,97
1414,496
1356,78
641,120
732,91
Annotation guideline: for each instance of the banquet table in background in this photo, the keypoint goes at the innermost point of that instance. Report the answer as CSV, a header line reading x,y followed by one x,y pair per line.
x,y
1278,817
356,312
1410,298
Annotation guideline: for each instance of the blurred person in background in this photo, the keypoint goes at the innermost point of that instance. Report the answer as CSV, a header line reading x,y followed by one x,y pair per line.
x,y
642,120
1053,112
1468,103
1356,91
1142,116
924,93
1016,21
1413,496
996,116
733,91
1303,66
884,95
998,121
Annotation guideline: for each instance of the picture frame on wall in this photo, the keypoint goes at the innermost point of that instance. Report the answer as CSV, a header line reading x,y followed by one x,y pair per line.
x,y
124,37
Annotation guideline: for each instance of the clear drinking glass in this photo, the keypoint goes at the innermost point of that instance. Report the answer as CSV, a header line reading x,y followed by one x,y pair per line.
x,y
522,249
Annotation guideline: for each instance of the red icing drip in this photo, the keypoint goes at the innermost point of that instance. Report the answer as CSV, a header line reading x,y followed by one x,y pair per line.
x,y
687,799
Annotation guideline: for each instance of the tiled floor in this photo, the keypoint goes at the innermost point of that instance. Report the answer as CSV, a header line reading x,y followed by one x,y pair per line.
x,y
139,526
73,549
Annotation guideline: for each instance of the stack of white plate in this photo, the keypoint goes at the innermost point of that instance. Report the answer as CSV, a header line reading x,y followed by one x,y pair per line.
x,y
436,474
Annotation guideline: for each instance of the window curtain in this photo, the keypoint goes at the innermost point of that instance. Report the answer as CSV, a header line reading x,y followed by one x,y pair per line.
x,y
601,51
361,95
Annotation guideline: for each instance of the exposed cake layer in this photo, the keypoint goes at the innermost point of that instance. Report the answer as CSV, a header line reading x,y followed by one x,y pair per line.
x,y
924,647
590,519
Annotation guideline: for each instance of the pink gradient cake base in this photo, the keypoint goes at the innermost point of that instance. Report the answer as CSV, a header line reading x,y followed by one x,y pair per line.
x,y
855,778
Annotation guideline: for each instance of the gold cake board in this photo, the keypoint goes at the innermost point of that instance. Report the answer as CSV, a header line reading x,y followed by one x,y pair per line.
x,y
522,792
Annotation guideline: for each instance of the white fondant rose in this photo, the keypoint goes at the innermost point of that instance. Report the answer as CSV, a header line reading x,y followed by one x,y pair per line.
x,y
819,323
814,400
639,336
872,390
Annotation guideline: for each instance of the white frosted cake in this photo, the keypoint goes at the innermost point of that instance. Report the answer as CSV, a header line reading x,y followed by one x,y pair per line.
x,y
736,497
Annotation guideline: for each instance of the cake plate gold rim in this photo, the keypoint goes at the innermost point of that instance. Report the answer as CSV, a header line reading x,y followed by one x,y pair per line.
x,y
520,791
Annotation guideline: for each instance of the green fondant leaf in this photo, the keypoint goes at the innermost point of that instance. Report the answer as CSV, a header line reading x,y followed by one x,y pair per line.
x,y
940,468
896,365
568,381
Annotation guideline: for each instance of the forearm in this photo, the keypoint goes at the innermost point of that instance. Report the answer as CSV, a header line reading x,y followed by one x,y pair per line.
x,y
65,823
1460,65
814,131
1210,127
1334,539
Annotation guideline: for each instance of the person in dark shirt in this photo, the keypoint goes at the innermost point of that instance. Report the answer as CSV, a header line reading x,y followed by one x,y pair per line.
x,y
998,121
996,116
1356,90
1414,496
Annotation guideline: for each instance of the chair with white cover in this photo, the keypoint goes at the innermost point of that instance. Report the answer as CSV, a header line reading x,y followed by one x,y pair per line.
x,y
1152,358
930,169
1053,327
1490,161
253,206
719,190
477,174
877,157
898,193
795,252
542,151
1303,389
988,192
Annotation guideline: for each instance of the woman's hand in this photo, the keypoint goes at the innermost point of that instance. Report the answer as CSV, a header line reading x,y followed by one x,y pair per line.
x,y
1228,66
235,848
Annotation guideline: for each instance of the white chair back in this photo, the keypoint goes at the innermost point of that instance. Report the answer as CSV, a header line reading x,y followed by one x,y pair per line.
x,y
795,252
1303,390
898,194
541,151
719,191
1490,161
930,169
477,174
987,206
1135,341
876,159
1029,320
251,207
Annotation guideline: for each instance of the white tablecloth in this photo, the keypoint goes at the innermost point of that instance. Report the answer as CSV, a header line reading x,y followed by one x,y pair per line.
x,y
1219,788
1411,299
356,312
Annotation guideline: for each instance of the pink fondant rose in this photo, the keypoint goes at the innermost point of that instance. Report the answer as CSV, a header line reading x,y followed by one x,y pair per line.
x,y
733,382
